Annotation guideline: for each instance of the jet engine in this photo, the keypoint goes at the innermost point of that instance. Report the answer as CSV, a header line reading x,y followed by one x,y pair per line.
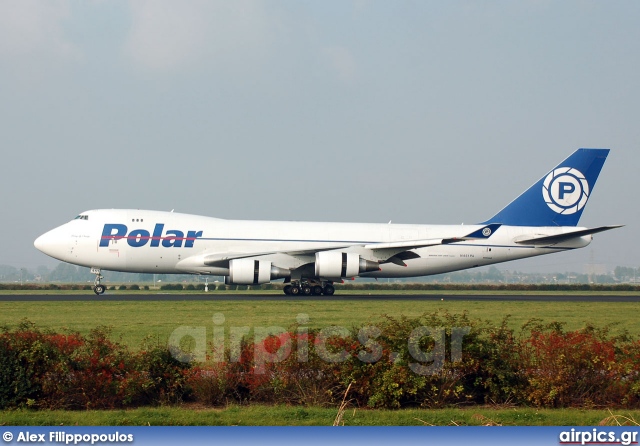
x,y
253,272
332,264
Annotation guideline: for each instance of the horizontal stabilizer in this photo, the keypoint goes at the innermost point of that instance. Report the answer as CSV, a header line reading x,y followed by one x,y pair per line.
x,y
559,238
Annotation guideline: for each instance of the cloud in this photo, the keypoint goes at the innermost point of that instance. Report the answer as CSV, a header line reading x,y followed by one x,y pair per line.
x,y
169,36
34,27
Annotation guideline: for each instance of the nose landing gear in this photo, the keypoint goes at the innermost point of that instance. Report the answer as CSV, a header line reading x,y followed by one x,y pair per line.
x,y
97,287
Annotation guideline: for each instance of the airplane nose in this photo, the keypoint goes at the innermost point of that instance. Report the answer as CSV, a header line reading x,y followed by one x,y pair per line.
x,y
50,243
40,243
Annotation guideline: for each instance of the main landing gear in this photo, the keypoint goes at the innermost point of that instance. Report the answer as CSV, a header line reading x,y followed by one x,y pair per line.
x,y
97,287
308,288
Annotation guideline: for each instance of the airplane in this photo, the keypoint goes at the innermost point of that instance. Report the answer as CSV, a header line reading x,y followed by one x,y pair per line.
x,y
312,256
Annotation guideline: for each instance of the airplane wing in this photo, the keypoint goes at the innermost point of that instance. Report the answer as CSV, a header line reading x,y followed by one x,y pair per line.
x,y
559,238
397,252
482,233
384,252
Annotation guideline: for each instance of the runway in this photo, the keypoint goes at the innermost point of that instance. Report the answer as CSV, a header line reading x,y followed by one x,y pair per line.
x,y
89,297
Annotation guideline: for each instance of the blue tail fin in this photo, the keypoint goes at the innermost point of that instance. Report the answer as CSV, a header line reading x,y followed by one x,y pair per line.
x,y
559,198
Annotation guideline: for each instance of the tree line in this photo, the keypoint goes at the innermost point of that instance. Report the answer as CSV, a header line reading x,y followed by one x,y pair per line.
x,y
66,273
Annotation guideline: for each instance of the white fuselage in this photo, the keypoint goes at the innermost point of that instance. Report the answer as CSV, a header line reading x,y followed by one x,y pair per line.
x,y
165,242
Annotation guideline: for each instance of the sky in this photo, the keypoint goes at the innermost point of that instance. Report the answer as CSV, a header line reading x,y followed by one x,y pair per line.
x,y
425,112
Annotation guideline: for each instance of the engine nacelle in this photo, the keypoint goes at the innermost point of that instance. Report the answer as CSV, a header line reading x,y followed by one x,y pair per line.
x,y
334,265
253,272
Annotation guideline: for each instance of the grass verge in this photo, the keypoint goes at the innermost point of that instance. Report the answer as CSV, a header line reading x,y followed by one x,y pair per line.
x,y
258,415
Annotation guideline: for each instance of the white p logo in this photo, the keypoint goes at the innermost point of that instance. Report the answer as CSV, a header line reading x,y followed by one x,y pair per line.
x,y
565,190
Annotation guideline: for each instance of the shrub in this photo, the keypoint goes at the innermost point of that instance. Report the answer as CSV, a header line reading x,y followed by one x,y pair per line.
x,y
570,369
68,371
392,382
210,385
164,377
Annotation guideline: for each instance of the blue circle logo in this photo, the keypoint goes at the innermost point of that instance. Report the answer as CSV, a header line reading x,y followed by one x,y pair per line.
x,y
565,190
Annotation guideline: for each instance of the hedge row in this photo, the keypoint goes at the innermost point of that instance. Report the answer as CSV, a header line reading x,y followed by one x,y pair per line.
x,y
488,287
69,371
347,286
539,365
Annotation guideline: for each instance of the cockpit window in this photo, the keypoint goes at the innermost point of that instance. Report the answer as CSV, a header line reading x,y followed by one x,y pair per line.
x,y
82,217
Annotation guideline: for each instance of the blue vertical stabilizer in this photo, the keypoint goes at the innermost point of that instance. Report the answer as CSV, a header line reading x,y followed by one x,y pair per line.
x,y
559,198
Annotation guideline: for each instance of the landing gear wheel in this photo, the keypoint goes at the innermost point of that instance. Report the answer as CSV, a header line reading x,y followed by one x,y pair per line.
x,y
287,290
306,290
329,290
295,290
97,288
317,290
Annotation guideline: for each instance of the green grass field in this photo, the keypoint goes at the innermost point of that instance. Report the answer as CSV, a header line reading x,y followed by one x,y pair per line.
x,y
134,321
